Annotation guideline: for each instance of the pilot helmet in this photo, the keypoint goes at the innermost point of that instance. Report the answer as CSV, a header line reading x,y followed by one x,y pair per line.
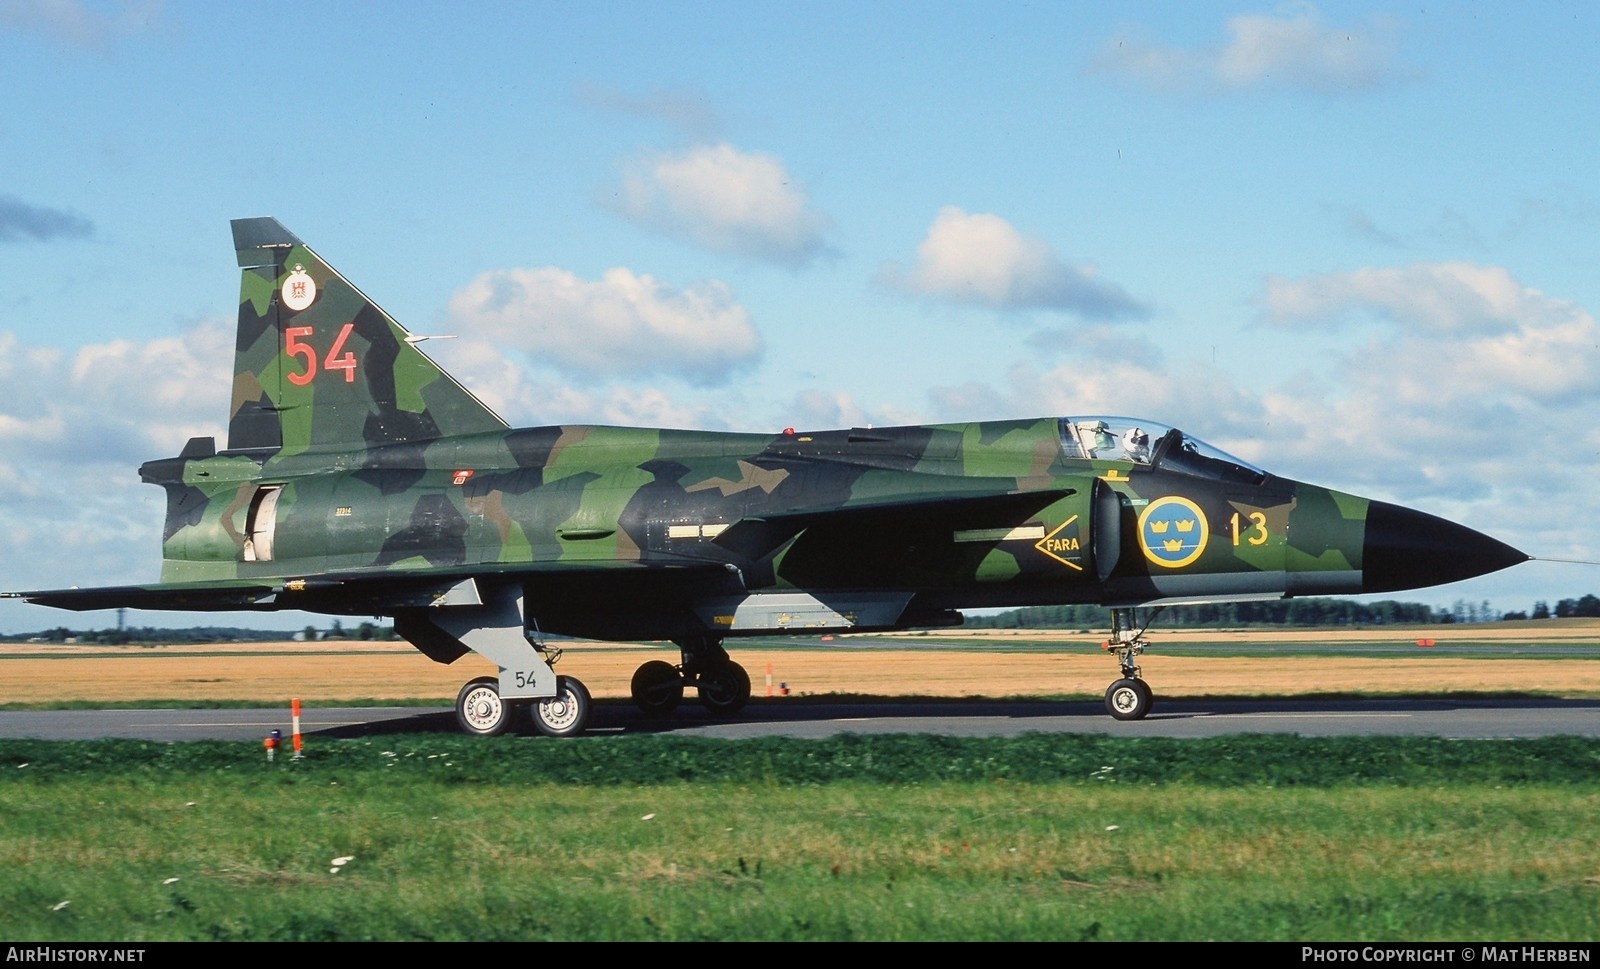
x,y
1137,443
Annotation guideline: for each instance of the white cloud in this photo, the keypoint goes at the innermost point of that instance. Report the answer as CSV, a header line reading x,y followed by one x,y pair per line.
x,y
116,402
74,427
1291,49
649,407
982,259
530,398
1553,365
1437,297
726,200
623,324
819,409
1471,378
1461,337
78,23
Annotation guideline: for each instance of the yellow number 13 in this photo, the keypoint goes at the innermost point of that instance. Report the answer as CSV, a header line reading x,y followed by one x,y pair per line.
x,y
1255,533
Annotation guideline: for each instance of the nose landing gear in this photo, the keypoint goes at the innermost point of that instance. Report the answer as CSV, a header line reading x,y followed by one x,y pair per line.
x,y
1130,697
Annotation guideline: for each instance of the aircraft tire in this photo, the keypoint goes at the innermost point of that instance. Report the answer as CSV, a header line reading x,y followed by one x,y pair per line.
x,y
1128,699
480,710
657,688
1149,695
725,690
567,713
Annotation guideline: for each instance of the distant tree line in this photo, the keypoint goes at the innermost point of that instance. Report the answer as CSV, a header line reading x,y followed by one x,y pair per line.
x,y
1588,605
366,632
149,635
1286,612
1277,612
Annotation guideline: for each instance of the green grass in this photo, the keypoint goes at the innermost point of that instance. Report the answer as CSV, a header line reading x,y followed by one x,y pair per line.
x,y
1052,837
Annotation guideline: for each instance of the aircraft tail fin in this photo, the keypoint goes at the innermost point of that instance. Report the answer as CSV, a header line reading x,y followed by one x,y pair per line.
x,y
318,365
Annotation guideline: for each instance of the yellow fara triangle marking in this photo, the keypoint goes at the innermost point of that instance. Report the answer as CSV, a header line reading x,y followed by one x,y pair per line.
x,y
1050,541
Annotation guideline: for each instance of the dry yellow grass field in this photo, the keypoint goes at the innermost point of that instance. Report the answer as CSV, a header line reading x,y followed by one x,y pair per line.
x,y
981,664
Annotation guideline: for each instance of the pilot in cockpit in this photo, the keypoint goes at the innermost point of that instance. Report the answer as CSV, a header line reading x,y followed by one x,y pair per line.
x,y
1136,444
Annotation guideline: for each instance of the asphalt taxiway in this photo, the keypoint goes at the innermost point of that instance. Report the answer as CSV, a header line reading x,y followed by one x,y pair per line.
x,y
1460,719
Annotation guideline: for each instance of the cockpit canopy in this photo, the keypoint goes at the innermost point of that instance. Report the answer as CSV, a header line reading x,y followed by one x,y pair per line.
x,y
1153,445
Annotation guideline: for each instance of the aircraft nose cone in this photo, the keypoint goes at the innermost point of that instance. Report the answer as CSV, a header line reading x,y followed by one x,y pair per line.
x,y
1406,549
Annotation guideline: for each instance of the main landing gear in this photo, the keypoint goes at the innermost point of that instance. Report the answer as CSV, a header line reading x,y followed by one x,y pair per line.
x,y
724,686
472,616
481,710
1128,698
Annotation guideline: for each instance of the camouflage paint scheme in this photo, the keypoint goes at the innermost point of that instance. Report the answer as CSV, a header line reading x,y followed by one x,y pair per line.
x,y
361,479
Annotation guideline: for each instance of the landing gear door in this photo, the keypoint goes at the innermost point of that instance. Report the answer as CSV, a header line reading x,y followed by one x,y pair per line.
x,y
1107,529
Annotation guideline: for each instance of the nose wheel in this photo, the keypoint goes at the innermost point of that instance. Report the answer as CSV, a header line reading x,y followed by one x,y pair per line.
x,y
1130,697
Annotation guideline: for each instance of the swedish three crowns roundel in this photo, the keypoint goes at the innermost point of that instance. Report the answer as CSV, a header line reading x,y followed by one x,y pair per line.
x,y
1172,531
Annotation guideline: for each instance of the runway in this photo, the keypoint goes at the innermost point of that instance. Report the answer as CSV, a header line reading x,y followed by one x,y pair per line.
x,y
1457,719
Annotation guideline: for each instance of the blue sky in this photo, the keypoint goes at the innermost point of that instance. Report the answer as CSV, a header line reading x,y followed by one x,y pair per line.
x,y
1353,243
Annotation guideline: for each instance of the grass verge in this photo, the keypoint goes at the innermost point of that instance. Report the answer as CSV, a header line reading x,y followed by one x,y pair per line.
x,y
1050,837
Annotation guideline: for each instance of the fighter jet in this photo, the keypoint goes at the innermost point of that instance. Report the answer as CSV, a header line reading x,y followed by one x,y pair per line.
x,y
360,479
